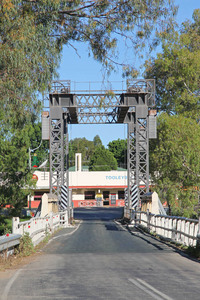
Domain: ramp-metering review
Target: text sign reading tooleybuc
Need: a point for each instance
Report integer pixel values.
(112, 177)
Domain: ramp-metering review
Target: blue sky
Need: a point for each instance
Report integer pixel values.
(81, 68)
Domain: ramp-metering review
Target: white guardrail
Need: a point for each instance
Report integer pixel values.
(37, 228)
(178, 229)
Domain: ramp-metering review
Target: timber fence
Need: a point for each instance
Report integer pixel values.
(177, 229)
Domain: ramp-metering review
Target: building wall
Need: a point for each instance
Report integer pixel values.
(101, 178)
(80, 182)
(78, 179)
(78, 197)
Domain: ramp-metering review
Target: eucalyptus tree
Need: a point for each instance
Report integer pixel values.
(119, 150)
(175, 163)
(175, 154)
(102, 160)
(177, 70)
(83, 146)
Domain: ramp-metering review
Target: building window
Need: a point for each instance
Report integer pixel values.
(106, 195)
(89, 195)
(38, 196)
(120, 194)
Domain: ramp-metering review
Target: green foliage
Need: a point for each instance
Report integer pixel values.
(80, 145)
(29, 55)
(14, 168)
(119, 150)
(97, 141)
(175, 163)
(31, 26)
(42, 153)
(177, 70)
(26, 247)
(102, 160)
(5, 225)
(193, 251)
(174, 160)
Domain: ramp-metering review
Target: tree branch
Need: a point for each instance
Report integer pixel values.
(193, 94)
(189, 169)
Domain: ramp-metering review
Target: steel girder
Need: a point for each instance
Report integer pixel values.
(97, 108)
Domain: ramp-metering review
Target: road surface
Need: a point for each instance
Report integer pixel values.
(100, 259)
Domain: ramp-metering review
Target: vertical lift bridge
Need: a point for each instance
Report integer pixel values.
(134, 106)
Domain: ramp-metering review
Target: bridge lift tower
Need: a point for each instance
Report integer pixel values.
(133, 106)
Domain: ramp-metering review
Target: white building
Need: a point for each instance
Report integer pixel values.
(87, 187)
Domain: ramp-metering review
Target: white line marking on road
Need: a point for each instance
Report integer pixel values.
(149, 289)
(61, 235)
(120, 225)
(153, 289)
(4, 296)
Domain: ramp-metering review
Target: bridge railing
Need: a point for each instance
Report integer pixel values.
(178, 229)
(37, 228)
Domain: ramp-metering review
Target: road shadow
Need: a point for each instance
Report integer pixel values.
(98, 213)
(146, 236)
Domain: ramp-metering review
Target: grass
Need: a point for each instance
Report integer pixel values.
(193, 251)
(6, 224)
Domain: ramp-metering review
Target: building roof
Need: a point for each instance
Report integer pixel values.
(83, 168)
(86, 168)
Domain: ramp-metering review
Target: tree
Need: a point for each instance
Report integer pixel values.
(29, 55)
(102, 160)
(80, 145)
(97, 141)
(119, 150)
(177, 71)
(100, 23)
(174, 155)
(14, 176)
(41, 147)
(175, 163)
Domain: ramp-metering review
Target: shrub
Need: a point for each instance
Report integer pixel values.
(26, 247)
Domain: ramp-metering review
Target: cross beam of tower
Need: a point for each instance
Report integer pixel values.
(132, 107)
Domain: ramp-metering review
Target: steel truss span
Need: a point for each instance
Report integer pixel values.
(132, 106)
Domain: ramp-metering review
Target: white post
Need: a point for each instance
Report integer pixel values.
(198, 234)
(51, 221)
(15, 225)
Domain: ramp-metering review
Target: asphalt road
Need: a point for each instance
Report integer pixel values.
(100, 259)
